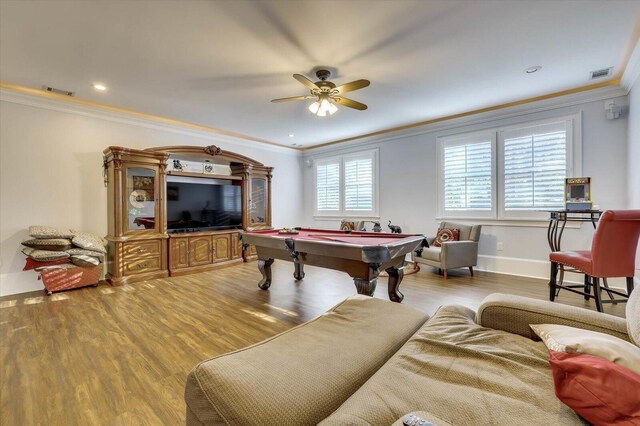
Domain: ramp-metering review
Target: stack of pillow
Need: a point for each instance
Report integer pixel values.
(52, 246)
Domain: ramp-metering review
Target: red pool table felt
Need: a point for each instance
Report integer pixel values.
(358, 238)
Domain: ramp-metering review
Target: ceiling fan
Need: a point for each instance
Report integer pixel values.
(327, 94)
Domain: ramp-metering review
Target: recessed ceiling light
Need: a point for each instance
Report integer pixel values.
(100, 87)
(291, 135)
(531, 70)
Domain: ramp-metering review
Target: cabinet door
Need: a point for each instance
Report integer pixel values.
(236, 246)
(141, 201)
(179, 253)
(200, 251)
(221, 248)
(259, 201)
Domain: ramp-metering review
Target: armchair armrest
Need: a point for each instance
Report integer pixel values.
(458, 254)
(514, 314)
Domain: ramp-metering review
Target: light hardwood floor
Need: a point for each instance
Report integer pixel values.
(120, 356)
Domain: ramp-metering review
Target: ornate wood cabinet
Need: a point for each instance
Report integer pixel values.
(140, 246)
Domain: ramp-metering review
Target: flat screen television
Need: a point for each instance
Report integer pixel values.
(196, 204)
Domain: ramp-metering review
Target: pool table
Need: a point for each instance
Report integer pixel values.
(360, 254)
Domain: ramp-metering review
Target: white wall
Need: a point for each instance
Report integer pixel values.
(408, 192)
(51, 171)
(633, 158)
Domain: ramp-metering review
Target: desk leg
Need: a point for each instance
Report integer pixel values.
(367, 286)
(265, 267)
(395, 278)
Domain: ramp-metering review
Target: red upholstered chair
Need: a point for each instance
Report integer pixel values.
(613, 254)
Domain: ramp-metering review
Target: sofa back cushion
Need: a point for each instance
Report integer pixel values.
(633, 316)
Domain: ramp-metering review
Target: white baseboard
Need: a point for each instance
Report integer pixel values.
(532, 268)
(19, 282)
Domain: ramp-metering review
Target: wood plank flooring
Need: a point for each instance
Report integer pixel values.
(120, 356)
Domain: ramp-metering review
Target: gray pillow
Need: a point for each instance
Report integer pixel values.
(46, 232)
(84, 260)
(44, 255)
(78, 251)
(89, 241)
(53, 244)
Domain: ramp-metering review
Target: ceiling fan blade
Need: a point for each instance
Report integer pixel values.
(295, 98)
(349, 103)
(304, 80)
(354, 85)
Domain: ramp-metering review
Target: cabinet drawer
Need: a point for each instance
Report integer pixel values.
(142, 265)
(141, 248)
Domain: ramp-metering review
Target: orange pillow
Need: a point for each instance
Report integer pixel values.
(602, 392)
(445, 235)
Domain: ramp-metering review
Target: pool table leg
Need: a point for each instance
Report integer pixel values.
(265, 267)
(395, 278)
(367, 286)
(298, 272)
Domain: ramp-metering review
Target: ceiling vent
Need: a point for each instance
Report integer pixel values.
(58, 91)
(605, 72)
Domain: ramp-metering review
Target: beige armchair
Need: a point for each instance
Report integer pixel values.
(452, 254)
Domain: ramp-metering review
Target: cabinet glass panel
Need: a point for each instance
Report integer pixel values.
(141, 198)
(258, 200)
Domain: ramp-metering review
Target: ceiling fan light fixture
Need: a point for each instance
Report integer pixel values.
(332, 108)
(314, 107)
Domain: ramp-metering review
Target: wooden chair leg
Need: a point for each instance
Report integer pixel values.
(596, 293)
(587, 287)
(471, 270)
(552, 281)
(629, 286)
(445, 273)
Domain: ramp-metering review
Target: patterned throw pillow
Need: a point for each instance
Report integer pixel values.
(53, 244)
(47, 232)
(83, 260)
(44, 255)
(89, 241)
(78, 251)
(446, 235)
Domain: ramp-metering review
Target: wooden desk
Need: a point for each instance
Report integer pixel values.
(558, 220)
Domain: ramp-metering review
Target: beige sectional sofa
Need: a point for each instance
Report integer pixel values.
(370, 362)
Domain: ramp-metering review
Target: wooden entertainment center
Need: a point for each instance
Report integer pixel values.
(140, 244)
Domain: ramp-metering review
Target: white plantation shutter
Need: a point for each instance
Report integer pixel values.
(535, 166)
(467, 175)
(328, 186)
(358, 184)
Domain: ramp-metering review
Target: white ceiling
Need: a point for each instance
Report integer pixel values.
(219, 63)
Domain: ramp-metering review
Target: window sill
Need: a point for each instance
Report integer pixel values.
(341, 217)
(529, 223)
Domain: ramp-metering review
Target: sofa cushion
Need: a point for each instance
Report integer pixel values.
(301, 376)
(462, 373)
(633, 316)
(44, 255)
(88, 241)
(432, 253)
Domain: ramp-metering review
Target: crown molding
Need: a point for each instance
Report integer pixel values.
(632, 70)
(475, 118)
(45, 100)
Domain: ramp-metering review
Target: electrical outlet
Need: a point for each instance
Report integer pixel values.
(500, 246)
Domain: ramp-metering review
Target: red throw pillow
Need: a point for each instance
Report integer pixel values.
(446, 234)
(602, 392)
(32, 264)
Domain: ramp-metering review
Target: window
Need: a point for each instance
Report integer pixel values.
(508, 173)
(346, 186)
(467, 175)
